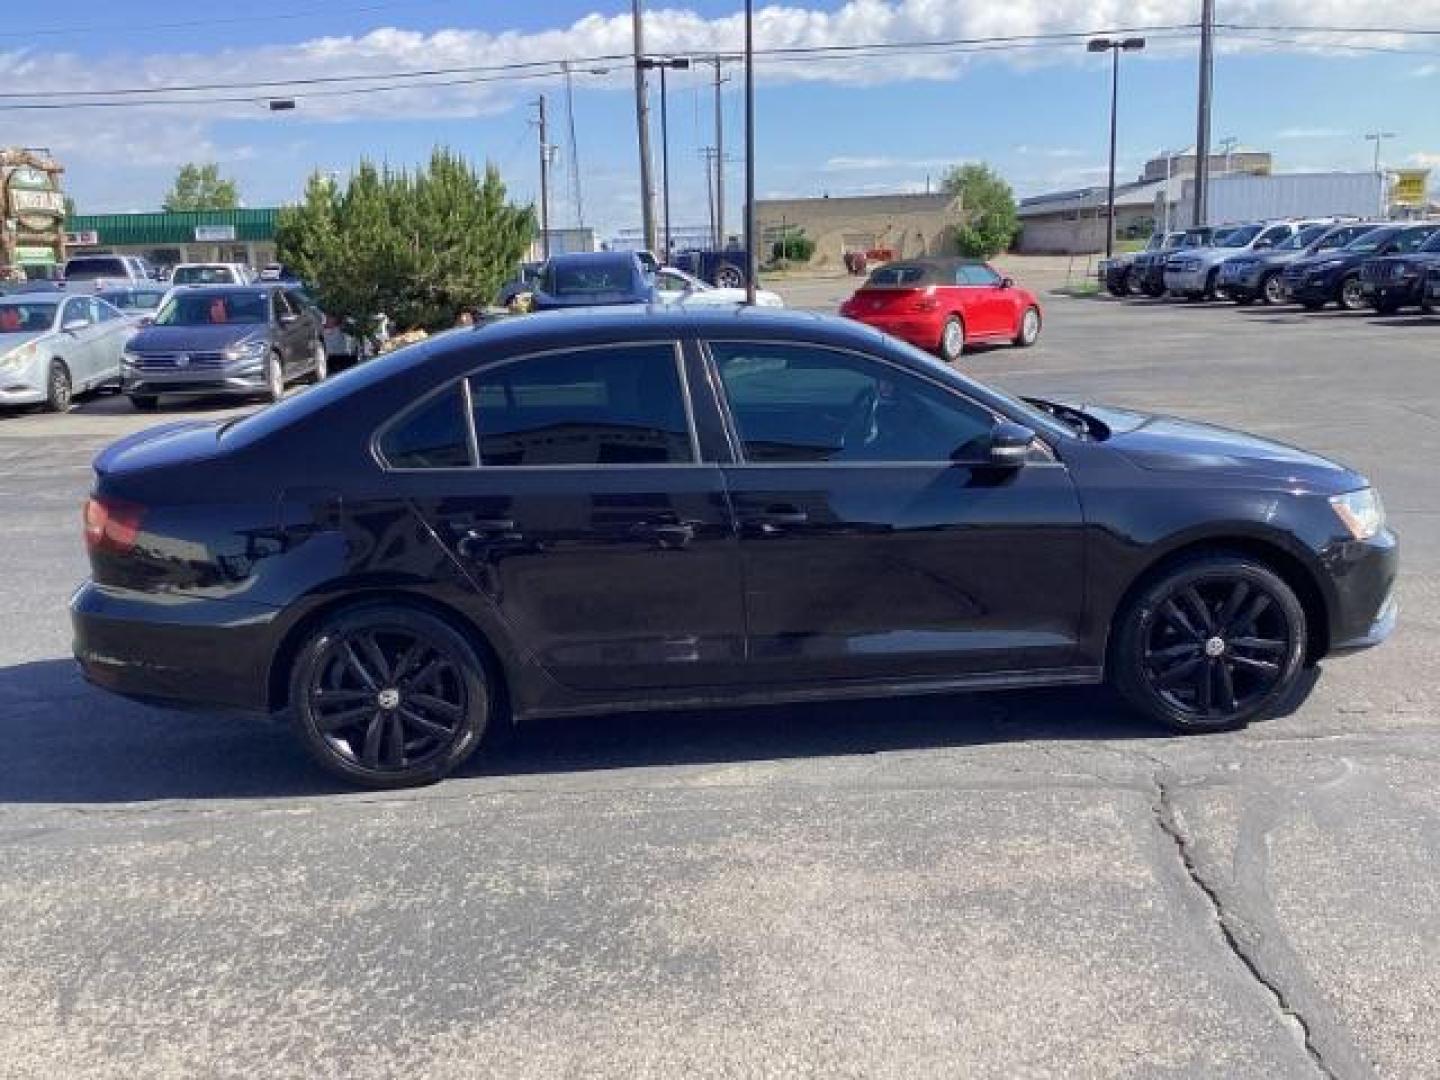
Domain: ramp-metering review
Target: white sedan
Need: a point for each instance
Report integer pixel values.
(54, 345)
(677, 287)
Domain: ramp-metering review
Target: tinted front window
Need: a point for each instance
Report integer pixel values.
(795, 403)
(1371, 241)
(1238, 237)
(432, 436)
(978, 275)
(1412, 239)
(26, 318)
(214, 309)
(620, 405)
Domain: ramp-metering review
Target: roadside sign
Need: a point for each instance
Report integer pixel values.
(1410, 187)
(87, 238)
(214, 234)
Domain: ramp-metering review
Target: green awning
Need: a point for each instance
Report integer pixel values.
(159, 228)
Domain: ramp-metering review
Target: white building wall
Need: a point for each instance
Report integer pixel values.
(1237, 198)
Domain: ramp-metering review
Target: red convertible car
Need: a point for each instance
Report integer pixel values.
(945, 304)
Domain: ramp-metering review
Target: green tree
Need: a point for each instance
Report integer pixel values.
(794, 246)
(419, 247)
(201, 187)
(989, 223)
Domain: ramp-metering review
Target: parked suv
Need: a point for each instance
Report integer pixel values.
(225, 339)
(1196, 274)
(1147, 272)
(1115, 272)
(1260, 275)
(1392, 282)
(1334, 276)
(119, 269)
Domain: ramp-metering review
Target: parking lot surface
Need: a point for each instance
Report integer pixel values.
(1023, 884)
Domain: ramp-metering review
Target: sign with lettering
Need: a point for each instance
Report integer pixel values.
(214, 234)
(1410, 185)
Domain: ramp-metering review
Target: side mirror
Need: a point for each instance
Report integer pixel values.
(1010, 444)
(287, 319)
(1007, 283)
(74, 326)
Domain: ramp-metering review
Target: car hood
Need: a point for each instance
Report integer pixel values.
(1277, 258)
(1169, 444)
(196, 338)
(1311, 261)
(9, 342)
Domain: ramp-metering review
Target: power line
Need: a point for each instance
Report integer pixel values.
(1296, 28)
(191, 24)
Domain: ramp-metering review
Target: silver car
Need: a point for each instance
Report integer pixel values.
(54, 346)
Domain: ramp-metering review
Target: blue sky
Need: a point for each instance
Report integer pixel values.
(871, 125)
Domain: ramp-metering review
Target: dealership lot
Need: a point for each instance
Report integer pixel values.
(1023, 884)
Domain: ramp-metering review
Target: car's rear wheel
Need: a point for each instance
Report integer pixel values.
(59, 391)
(1153, 290)
(144, 402)
(1029, 327)
(1216, 642)
(1272, 289)
(1211, 282)
(1352, 297)
(952, 339)
(729, 277)
(388, 696)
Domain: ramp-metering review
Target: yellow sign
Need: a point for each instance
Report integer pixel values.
(1410, 185)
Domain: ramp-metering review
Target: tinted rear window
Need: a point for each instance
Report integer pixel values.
(433, 436)
(88, 269)
(575, 279)
(900, 274)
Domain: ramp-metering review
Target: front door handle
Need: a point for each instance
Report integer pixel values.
(775, 519)
(670, 535)
(478, 535)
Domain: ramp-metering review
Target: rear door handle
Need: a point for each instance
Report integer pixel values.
(479, 534)
(774, 519)
(671, 535)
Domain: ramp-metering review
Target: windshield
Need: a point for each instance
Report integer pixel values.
(203, 275)
(1238, 237)
(131, 300)
(1174, 240)
(26, 317)
(1199, 238)
(214, 309)
(1413, 239)
(1303, 239)
(590, 277)
(1371, 241)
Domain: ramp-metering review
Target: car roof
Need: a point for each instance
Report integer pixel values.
(30, 295)
(231, 287)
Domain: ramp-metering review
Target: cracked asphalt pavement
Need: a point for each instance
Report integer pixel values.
(1013, 885)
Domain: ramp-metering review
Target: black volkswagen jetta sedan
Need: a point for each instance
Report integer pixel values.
(579, 512)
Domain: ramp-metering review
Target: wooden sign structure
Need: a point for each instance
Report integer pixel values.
(32, 211)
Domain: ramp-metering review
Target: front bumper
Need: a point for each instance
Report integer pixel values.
(1364, 609)
(1186, 281)
(19, 392)
(1312, 288)
(172, 648)
(1401, 294)
(243, 378)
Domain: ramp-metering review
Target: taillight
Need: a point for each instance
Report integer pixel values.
(111, 525)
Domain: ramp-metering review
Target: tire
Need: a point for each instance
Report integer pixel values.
(1272, 289)
(1212, 644)
(1350, 297)
(952, 339)
(59, 390)
(274, 378)
(386, 696)
(321, 361)
(1029, 331)
(728, 276)
(144, 402)
(1155, 292)
(1116, 290)
(1210, 282)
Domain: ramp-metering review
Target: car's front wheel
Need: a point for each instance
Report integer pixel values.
(952, 339)
(59, 391)
(319, 361)
(274, 378)
(729, 277)
(1272, 289)
(1214, 643)
(1029, 330)
(1352, 294)
(388, 696)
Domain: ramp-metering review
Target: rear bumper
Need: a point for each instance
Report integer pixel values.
(164, 647)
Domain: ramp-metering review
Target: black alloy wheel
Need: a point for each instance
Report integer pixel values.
(389, 697)
(729, 277)
(1213, 645)
(59, 391)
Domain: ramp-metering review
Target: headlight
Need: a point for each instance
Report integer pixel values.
(246, 350)
(129, 359)
(17, 358)
(1361, 511)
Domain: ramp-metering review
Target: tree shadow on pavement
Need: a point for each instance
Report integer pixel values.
(66, 742)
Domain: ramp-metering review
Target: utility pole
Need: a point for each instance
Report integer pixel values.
(573, 161)
(1378, 137)
(708, 153)
(1202, 117)
(642, 124)
(750, 238)
(719, 160)
(544, 182)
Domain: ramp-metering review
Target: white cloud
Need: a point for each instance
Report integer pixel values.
(1049, 151)
(1299, 133)
(1424, 71)
(875, 163)
(1424, 160)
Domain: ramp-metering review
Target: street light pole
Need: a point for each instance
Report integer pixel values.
(1202, 114)
(750, 152)
(719, 161)
(679, 63)
(544, 183)
(1377, 137)
(1114, 47)
(642, 124)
